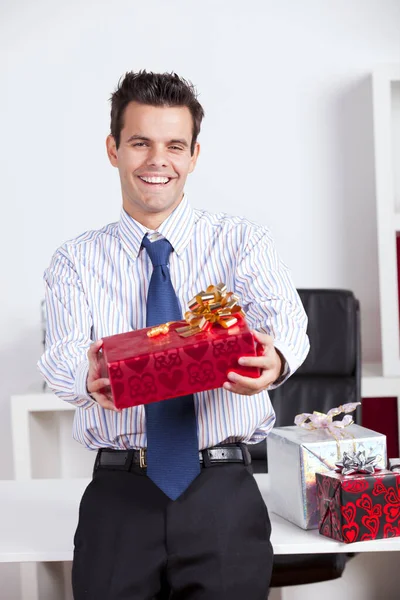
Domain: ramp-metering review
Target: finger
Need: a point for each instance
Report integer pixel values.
(105, 402)
(236, 389)
(256, 383)
(263, 338)
(261, 362)
(94, 349)
(98, 384)
(239, 389)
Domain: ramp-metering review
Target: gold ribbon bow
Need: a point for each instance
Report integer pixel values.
(215, 306)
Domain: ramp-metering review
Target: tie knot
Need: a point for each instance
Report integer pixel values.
(158, 251)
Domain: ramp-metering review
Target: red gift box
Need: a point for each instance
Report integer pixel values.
(145, 369)
(359, 507)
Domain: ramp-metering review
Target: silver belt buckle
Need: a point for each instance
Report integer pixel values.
(142, 458)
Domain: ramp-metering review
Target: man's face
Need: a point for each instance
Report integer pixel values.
(153, 159)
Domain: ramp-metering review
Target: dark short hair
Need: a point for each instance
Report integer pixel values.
(154, 89)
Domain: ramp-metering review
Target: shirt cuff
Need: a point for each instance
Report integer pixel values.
(291, 364)
(84, 399)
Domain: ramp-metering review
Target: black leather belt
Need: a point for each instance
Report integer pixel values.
(124, 460)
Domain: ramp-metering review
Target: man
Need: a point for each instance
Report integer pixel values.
(161, 519)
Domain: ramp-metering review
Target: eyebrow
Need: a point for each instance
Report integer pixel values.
(183, 142)
(146, 139)
(138, 137)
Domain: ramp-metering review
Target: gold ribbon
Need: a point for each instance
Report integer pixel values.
(215, 306)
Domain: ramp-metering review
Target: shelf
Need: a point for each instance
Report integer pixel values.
(42, 439)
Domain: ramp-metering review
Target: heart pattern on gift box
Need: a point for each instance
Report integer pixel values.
(366, 537)
(374, 514)
(116, 371)
(140, 387)
(354, 486)
(349, 512)
(364, 502)
(377, 510)
(391, 496)
(137, 364)
(326, 529)
(350, 532)
(171, 381)
(225, 347)
(167, 359)
(148, 384)
(390, 531)
(135, 386)
(196, 352)
(201, 373)
(379, 488)
(371, 523)
(392, 512)
(325, 489)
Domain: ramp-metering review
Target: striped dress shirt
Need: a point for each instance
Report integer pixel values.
(96, 286)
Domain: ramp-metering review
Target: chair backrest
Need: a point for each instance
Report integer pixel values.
(331, 373)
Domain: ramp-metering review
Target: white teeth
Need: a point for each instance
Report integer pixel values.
(155, 179)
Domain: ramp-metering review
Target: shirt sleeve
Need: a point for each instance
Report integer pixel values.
(271, 302)
(64, 364)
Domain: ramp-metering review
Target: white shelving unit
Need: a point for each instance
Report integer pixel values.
(42, 441)
(44, 448)
(386, 116)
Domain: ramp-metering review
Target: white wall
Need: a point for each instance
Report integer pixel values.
(287, 138)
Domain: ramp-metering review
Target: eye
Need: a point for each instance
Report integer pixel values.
(139, 144)
(176, 148)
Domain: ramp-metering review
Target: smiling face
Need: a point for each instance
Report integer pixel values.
(153, 160)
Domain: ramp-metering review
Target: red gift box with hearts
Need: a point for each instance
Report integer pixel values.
(359, 507)
(145, 369)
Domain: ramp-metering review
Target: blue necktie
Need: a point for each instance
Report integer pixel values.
(172, 444)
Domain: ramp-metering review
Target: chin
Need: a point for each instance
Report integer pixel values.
(160, 204)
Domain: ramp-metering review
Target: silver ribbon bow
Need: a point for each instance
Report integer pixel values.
(357, 462)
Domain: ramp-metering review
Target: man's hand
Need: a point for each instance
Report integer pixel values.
(98, 386)
(270, 362)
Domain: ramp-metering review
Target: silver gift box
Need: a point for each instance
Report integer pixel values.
(296, 454)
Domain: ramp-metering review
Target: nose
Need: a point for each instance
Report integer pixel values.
(157, 156)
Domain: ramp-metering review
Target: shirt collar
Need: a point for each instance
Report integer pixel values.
(177, 229)
(131, 233)
(178, 226)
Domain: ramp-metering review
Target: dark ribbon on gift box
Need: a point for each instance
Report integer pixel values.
(394, 465)
(327, 519)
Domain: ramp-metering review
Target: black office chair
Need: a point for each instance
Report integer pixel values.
(330, 376)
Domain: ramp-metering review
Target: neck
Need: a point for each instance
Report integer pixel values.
(149, 219)
(152, 222)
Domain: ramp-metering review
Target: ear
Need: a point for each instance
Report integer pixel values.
(112, 150)
(194, 157)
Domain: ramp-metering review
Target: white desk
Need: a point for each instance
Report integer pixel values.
(38, 519)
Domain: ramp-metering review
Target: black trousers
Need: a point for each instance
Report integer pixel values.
(134, 543)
